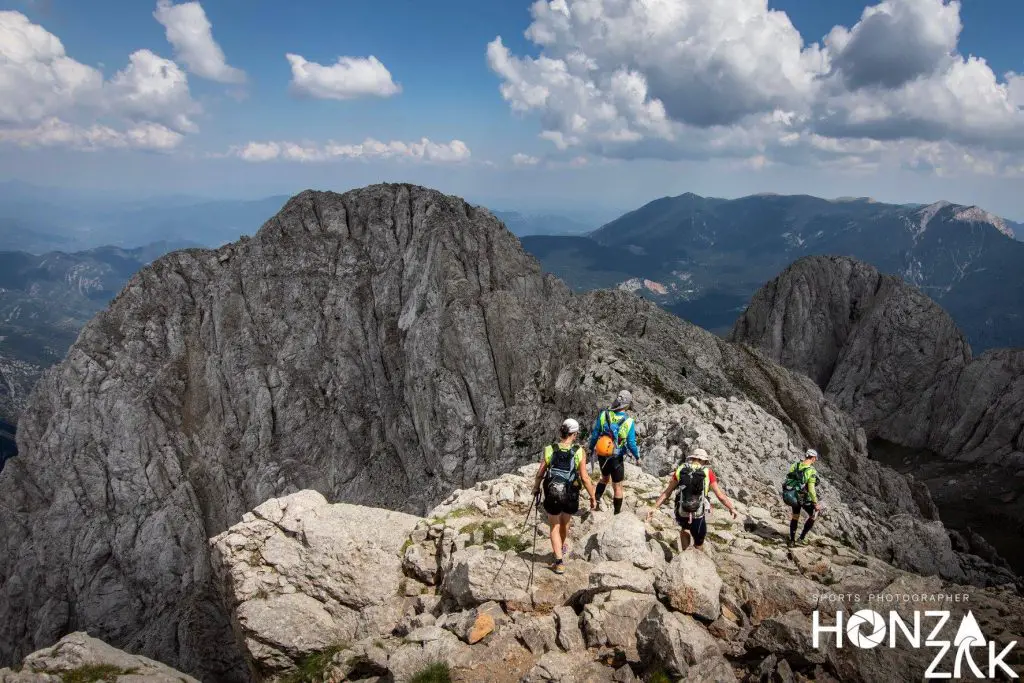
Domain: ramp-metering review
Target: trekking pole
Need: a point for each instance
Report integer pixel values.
(533, 552)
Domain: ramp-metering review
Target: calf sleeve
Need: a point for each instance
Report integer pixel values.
(792, 528)
(807, 527)
(600, 492)
(618, 505)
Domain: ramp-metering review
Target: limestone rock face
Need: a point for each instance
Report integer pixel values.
(383, 347)
(78, 651)
(891, 358)
(301, 575)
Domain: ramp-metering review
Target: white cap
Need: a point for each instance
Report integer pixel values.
(699, 454)
(571, 426)
(811, 453)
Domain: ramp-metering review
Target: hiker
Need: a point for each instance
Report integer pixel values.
(563, 469)
(799, 493)
(694, 478)
(614, 434)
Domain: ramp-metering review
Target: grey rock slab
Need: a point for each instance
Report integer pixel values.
(674, 641)
(78, 650)
(691, 585)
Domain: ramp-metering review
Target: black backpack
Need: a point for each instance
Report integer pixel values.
(560, 483)
(691, 490)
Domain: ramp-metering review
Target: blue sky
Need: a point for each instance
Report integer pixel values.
(634, 99)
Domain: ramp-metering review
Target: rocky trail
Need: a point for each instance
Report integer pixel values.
(337, 592)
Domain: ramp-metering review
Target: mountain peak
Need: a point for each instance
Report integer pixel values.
(963, 214)
(975, 214)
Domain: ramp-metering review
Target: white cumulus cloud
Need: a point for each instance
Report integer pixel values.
(424, 151)
(677, 79)
(349, 78)
(521, 159)
(54, 132)
(191, 34)
(47, 98)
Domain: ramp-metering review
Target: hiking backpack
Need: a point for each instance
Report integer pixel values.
(560, 483)
(793, 487)
(615, 431)
(692, 489)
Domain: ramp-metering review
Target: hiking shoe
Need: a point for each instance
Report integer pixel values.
(558, 567)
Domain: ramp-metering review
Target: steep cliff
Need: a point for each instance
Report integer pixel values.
(892, 358)
(384, 347)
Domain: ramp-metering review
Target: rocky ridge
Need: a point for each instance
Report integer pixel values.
(381, 347)
(469, 586)
(891, 358)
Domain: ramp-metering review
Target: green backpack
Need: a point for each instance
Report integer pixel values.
(793, 487)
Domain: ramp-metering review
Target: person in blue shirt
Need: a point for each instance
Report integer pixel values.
(616, 423)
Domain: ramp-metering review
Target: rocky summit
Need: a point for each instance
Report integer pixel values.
(341, 592)
(380, 348)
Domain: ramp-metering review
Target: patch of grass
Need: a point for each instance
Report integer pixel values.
(438, 672)
(658, 677)
(313, 667)
(488, 530)
(400, 591)
(717, 539)
(461, 512)
(829, 580)
(511, 542)
(405, 546)
(94, 672)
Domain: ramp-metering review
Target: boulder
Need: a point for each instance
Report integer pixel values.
(691, 585)
(421, 563)
(609, 576)
(478, 576)
(673, 641)
(565, 667)
(301, 575)
(611, 619)
(622, 538)
(788, 636)
(412, 658)
(538, 633)
(76, 652)
(570, 637)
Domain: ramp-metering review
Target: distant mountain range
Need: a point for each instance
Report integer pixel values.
(44, 302)
(703, 258)
(38, 220)
(524, 224)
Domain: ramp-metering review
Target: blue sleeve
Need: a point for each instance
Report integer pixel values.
(631, 441)
(594, 433)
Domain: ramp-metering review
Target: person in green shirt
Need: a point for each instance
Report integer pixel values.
(563, 469)
(804, 473)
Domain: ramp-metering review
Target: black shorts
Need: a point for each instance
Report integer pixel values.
(806, 507)
(698, 527)
(613, 466)
(570, 507)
